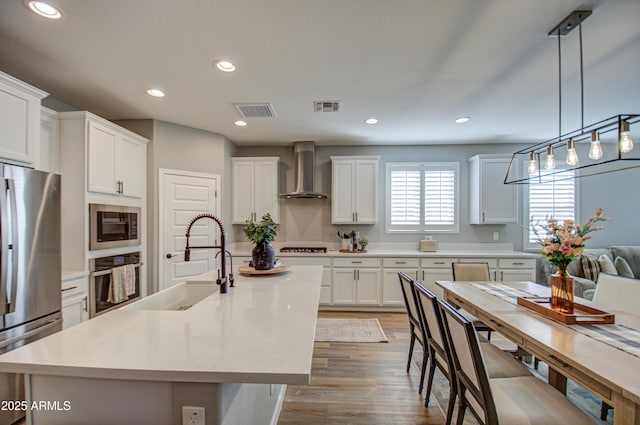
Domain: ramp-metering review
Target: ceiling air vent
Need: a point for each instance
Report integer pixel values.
(326, 105)
(255, 110)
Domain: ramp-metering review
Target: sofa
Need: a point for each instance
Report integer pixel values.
(622, 260)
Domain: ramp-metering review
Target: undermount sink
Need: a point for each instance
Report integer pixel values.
(177, 298)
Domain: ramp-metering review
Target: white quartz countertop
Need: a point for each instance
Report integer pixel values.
(404, 253)
(261, 331)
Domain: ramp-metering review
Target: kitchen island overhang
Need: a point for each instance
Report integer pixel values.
(259, 333)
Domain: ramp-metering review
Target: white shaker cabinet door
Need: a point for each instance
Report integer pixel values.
(19, 120)
(366, 191)
(102, 147)
(131, 155)
(343, 192)
(344, 286)
(266, 189)
(368, 286)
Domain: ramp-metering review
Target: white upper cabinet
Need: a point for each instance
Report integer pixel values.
(115, 160)
(354, 189)
(255, 189)
(491, 201)
(19, 120)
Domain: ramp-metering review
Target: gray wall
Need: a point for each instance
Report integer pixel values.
(177, 147)
(309, 220)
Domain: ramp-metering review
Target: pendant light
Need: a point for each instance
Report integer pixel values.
(550, 163)
(524, 169)
(595, 150)
(626, 144)
(572, 155)
(533, 164)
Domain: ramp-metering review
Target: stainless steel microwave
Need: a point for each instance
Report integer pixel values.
(113, 226)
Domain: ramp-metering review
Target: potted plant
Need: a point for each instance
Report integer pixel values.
(262, 233)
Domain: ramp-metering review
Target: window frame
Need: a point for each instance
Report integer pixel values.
(422, 228)
(533, 246)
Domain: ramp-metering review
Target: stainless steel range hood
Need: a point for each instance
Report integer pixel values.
(305, 167)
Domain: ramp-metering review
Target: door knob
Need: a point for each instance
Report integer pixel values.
(169, 255)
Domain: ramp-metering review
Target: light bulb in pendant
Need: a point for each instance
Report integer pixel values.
(550, 163)
(595, 151)
(626, 144)
(572, 155)
(533, 164)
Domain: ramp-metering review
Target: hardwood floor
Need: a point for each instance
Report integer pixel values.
(362, 383)
(366, 383)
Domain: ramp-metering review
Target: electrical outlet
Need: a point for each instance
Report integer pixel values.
(193, 415)
(496, 236)
(428, 238)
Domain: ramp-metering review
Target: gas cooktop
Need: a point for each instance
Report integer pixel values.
(308, 249)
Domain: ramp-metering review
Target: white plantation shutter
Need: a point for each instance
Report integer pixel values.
(405, 197)
(439, 197)
(422, 197)
(554, 196)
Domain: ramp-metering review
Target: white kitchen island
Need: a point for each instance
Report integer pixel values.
(232, 354)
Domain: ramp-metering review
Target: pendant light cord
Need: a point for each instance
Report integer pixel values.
(581, 79)
(559, 88)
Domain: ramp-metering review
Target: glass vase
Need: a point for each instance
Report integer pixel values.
(562, 291)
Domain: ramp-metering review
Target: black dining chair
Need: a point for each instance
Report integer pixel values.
(500, 401)
(499, 363)
(415, 331)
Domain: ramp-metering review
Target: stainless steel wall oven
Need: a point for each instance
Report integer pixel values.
(113, 226)
(114, 282)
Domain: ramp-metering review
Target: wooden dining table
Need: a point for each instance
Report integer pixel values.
(611, 373)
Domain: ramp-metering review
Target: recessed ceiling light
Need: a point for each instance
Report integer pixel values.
(225, 66)
(371, 121)
(44, 9)
(241, 123)
(462, 120)
(155, 92)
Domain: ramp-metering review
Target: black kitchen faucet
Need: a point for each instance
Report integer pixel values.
(222, 277)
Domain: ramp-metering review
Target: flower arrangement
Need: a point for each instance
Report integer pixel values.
(561, 243)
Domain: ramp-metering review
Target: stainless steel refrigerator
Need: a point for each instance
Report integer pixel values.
(30, 297)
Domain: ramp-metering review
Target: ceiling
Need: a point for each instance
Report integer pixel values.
(415, 65)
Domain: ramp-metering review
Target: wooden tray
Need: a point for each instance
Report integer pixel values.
(253, 272)
(349, 251)
(582, 314)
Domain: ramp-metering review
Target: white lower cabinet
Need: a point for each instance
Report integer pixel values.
(325, 262)
(75, 300)
(436, 269)
(356, 281)
(391, 290)
(517, 270)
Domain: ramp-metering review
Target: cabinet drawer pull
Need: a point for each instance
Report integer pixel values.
(70, 288)
(518, 263)
(356, 262)
(438, 262)
(401, 262)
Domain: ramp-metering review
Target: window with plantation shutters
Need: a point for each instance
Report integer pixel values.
(422, 197)
(554, 196)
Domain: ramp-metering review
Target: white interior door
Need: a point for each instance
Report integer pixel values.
(183, 195)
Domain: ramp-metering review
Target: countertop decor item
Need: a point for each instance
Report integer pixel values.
(247, 270)
(581, 314)
(561, 243)
(262, 234)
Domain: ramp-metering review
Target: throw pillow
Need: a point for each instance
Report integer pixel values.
(623, 267)
(606, 265)
(589, 267)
